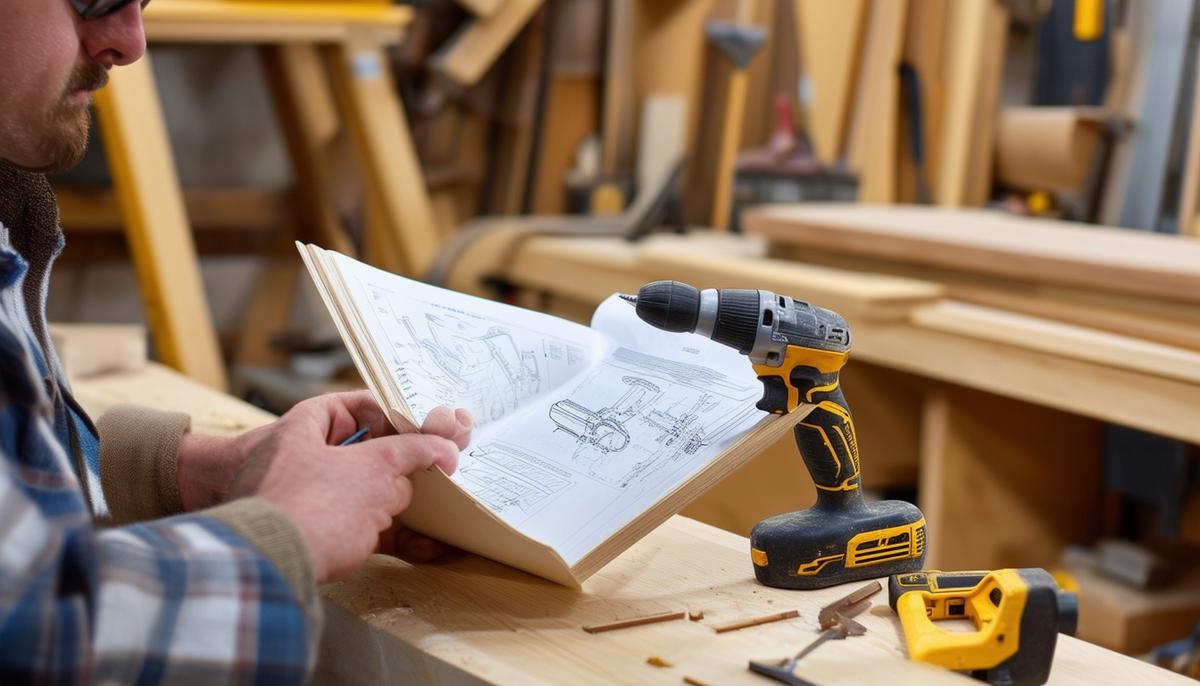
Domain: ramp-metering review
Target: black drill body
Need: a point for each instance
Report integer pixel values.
(797, 351)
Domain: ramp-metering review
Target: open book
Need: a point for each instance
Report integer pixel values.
(586, 439)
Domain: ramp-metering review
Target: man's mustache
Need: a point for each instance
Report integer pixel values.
(87, 77)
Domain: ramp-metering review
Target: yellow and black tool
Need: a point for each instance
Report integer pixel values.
(798, 350)
(1018, 614)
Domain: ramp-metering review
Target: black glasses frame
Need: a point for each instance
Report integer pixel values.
(95, 9)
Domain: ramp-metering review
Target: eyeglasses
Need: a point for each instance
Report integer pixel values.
(95, 9)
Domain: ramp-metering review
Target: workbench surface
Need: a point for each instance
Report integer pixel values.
(476, 620)
(471, 620)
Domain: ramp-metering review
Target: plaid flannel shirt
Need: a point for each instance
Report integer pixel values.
(180, 600)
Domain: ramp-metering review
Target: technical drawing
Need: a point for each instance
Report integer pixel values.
(605, 429)
(486, 372)
(509, 479)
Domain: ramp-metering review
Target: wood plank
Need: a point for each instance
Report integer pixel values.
(371, 107)
(829, 36)
(873, 141)
(620, 105)
(1171, 323)
(1103, 348)
(965, 56)
(265, 21)
(996, 469)
(97, 210)
(1190, 192)
(1133, 621)
(472, 53)
(475, 621)
(987, 105)
(570, 118)
(213, 413)
(314, 133)
(87, 350)
(1042, 251)
(924, 43)
(144, 176)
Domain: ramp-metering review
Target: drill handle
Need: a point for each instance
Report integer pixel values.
(826, 437)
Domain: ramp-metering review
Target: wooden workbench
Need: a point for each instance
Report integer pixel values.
(474, 621)
(993, 425)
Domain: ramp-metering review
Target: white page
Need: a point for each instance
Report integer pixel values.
(575, 467)
(447, 348)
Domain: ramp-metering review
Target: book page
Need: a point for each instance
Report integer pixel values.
(576, 466)
(441, 347)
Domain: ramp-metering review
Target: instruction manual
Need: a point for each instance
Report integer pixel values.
(585, 439)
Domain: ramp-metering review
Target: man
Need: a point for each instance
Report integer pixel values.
(224, 590)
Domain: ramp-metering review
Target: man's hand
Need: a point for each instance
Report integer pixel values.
(340, 498)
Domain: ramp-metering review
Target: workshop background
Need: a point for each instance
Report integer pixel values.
(1036, 380)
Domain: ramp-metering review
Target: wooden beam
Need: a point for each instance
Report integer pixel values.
(873, 140)
(829, 35)
(370, 105)
(147, 185)
(472, 52)
(964, 65)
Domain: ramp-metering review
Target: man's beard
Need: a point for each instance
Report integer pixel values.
(62, 134)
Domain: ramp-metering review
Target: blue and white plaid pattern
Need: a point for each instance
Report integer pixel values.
(180, 600)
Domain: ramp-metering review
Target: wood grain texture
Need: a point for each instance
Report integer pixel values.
(472, 52)
(829, 35)
(213, 413)
(164, 253)
(993, 472)
(586, 271)
(991, 243)
(964, 60)
(475, 621)
(873, 143)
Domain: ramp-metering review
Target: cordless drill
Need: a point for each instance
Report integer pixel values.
(797, 351)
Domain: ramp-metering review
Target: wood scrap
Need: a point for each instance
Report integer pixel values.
(755, 621)
(846, 605)
(634, 621)
(964, 63)
(87, 350)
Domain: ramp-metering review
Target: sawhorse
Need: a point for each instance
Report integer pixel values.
(327, 65)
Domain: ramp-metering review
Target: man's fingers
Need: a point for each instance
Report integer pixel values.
(409, 453)
(454, 425)
(353, 409)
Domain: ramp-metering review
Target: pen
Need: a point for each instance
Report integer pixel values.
(355, 437)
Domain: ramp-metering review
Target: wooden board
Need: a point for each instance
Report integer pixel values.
(873, 139)
(924, 43)
(1108, 349)
(371, 108)
(267, 21)
(87, 350)
(1133, 621)
(472, 52)
(828, 35)
(991, 79)
(213, 413)
(1046, 148)
(148, 189)
(472, 621)
(619, 102)
(965, 57)
(1036, 250)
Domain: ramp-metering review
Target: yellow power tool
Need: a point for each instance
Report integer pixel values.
(1017, 613)
(797, 351)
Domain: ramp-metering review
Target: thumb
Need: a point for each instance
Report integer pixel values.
(405, 454)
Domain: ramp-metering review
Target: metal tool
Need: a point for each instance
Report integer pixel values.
(797, 351)
(785, 670)
(1017, 613)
